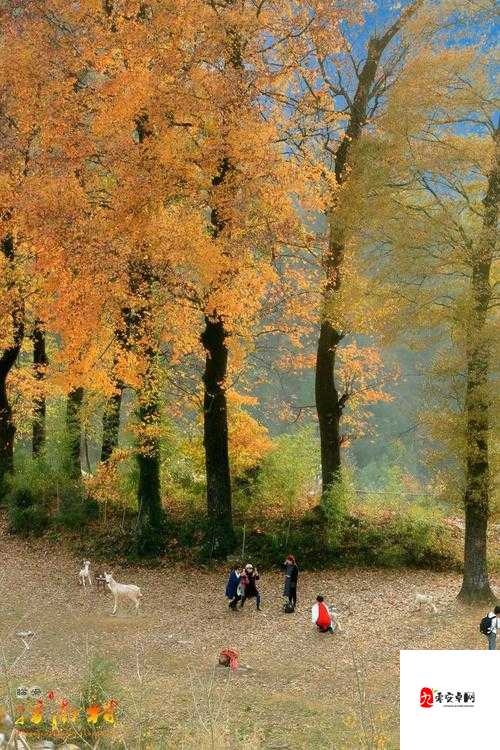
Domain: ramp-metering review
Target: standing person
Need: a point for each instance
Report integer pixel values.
(232, 587)
(321, 617)
(251, 590)
(291, 576)
(490, 626)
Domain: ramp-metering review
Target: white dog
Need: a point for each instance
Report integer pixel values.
(123, 591)
(84, 574)
(425, 599)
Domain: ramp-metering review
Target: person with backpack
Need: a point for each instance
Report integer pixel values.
(290, 588)
(250, 578)
(489, 626)
(232, 587)
(321, 617)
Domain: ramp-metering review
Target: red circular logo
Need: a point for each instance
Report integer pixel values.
(426, 698)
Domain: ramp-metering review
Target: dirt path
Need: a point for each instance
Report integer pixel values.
(301, 690)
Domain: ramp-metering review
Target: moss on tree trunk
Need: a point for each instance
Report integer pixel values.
(475, 585)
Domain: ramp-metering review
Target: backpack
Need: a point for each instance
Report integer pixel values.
(485, 625)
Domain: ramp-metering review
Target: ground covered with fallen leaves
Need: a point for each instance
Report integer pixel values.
(297, 689)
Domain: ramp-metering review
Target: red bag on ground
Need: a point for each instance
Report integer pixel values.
(226, 656)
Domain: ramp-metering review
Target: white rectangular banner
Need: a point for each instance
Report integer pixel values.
(449, 699)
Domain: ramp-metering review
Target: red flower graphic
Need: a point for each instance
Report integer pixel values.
(93, 713)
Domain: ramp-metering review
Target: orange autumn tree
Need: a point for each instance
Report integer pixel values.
(56, 192)
(209, 223)
(244, 198)
(253, 184)
(135, 156)
(170, 202)
(142, 161)
(35, 171)
(160, 222)
(249, 205)
(362, 382)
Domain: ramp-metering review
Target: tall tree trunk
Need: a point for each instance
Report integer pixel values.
(40, 361)
(151, 516)
(123, 335)
(215, 427)
(328, 406)
(215, 437)
(139, 332)
(7, 361)
(74, 432)
(111, 423)
(7, 426)
(213, 339)
(475, 585)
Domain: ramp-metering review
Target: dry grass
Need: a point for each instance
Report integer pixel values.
(303, 689)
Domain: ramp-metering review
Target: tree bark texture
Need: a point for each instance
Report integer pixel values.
(7, 360)
(40, 362)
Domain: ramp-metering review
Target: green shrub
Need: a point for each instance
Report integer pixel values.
(27, 498)
(409, 536)
(149, 539)
(337, 535)
(280, 483)
(302, 536)
(41, 493)
(97, 682)
(74, 510)
(27, 512)
(335, 504)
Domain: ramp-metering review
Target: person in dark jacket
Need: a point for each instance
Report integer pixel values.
(291, 576)
(232, 587)
(251, 590)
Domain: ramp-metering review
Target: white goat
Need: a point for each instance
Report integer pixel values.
(425, 599)
(84, 574)
(123, 591)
